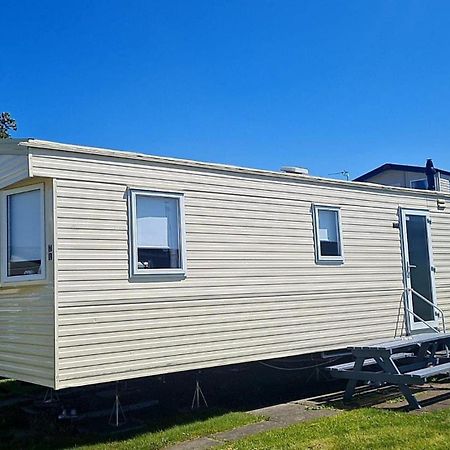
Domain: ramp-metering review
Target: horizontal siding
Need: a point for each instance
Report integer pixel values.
(441, 254)
(13, 168)
(253, 290)
(27, 322)
(444, 184)
(27, 334)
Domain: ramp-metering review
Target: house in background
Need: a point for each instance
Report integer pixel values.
(415, 177)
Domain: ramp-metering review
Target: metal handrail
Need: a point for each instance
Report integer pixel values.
(436, 330)
(442, 315)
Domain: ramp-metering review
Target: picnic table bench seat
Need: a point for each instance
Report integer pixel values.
(431, 371)
(402, 362)
(368, 362)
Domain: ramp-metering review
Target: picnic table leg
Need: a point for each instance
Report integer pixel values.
(351, 384)
(422, 353)
(390, 367)
(412, 401)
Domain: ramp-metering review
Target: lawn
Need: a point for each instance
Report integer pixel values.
(358, 429)
(366, 428)
(154, 436)
(157, 429)
(155, 440)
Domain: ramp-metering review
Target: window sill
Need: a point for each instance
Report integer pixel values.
(20, 283)
(155, 276)
(330, 262)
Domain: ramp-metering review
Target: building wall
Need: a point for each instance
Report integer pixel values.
(253, 290)
(13, 168)
(27, 319)
(403, 179)
(396, 178)
(444, 181)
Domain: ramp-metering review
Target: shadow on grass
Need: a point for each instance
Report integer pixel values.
(229, 391)
(387, 397)
(152, 432)
(10, 388)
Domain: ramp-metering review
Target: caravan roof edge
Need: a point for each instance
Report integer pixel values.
(111, 153)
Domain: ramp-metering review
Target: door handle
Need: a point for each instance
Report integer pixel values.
(412, 266)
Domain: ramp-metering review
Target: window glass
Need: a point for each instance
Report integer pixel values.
(24, 233)
(329, 233)
(419, 184)
(157, 232)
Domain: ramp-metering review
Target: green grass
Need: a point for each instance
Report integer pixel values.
(178, 433)
(359, 429)
(18, 432)
(367, 428)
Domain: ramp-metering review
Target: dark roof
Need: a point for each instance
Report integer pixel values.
(400, 167)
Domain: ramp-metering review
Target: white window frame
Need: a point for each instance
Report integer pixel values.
(4, 236)
(135, 272)
(319, 257)
(419, 179)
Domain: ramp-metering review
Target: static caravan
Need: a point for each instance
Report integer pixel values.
(119, 265)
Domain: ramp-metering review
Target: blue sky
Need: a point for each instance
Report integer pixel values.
(329, 85)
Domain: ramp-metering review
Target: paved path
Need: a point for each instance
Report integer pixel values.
(278, 416)
(433, 396)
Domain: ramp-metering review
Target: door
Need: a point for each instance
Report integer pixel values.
(418, 270)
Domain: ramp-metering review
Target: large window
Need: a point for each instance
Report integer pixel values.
(419, 184)
(328, 234)
(157, 234)
(23, 234)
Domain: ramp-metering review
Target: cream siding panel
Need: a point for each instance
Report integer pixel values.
(13, 168)
(440, 227)
(26, 334)
(444, 184)
(27, 321)
(253, 290)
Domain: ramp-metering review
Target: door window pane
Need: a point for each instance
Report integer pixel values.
(24, 233)
(419, 265)
(158, 232)
(329, 235)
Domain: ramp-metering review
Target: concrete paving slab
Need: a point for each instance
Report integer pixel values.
(432, 396)
(247, 430)
(278, 416)
(196, 444)
(289, 413)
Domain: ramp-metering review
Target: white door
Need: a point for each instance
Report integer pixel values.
(418, 270)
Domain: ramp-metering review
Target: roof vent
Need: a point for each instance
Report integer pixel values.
(297, 170)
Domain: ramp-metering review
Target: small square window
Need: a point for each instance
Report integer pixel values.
(157, 235)
(327, 233)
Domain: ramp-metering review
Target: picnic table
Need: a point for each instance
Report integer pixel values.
(403, 362)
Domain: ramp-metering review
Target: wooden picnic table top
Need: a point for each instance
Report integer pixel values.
(402, 343)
